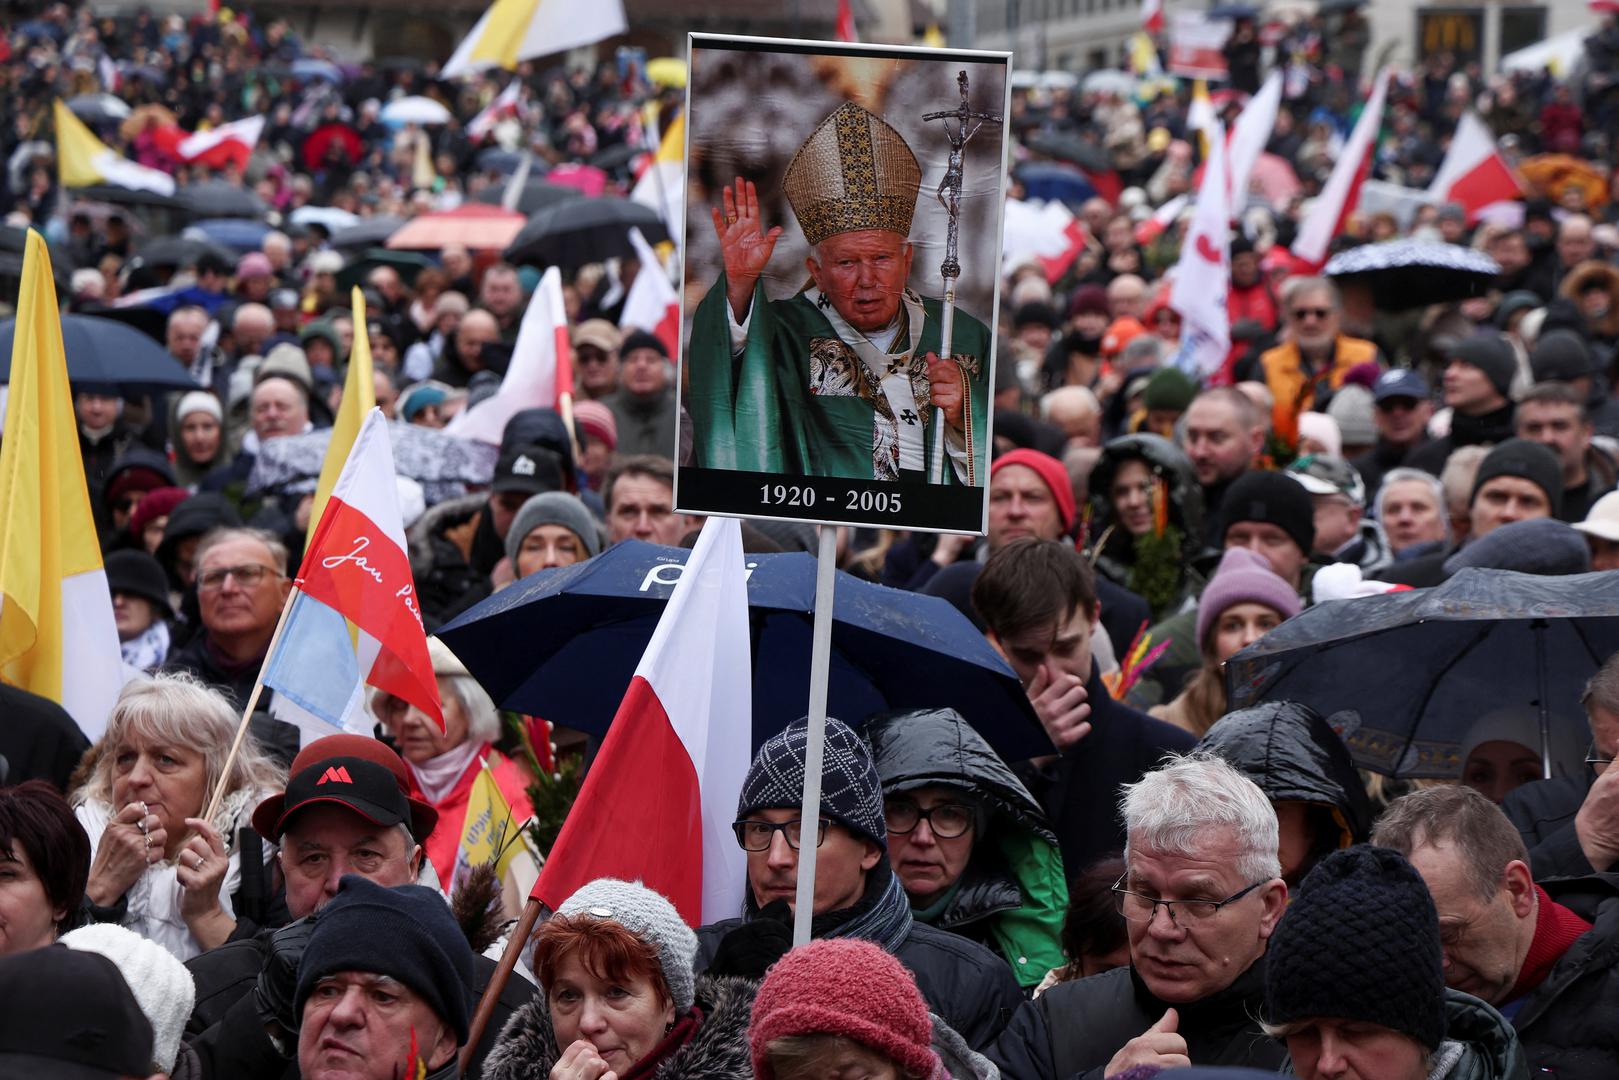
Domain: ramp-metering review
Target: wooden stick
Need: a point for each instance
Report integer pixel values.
(565, 409)
(222, 787)
(497, 981)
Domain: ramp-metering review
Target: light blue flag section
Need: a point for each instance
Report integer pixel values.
(314, 663)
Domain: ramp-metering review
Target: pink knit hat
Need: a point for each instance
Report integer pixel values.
(1243, 577)
(842, 986)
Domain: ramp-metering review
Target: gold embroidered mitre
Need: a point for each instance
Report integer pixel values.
(854, 172)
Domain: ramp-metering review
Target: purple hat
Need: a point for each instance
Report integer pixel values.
(1243, 577)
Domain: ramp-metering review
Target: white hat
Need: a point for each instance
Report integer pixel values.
(1602, 520)
(161, 984)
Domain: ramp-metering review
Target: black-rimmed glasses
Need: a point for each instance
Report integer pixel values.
(757, 835)
(1139, 908)
(947, 820)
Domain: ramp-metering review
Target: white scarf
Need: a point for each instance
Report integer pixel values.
(891, 370)
(438, 776)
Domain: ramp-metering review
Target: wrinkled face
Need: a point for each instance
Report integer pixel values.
(643, 509)
(184, 337)
(1468, 390)
(232, 606)
(132, 614)
(1020, 504)
(324, 841)
(1271, 541)
(168, 779)
(841, 865)
(1240, 625)
(1313, 319)
(548, 546)
(1220, 447)
(278, 408)
(645, 371)
(417, 734)
(1131, 495)
(1184, 959)
(199, 434)
(358, 1026)
(27, 920)
(1481, 938)
(1411, 514)
(1336, 520)
(1402, 420)
(1127, 301)
(1505, 499)
(96, 411)
(863, 274)
(927, 863)
(1494, 768)
(1066, 648)
(622, 1020)
(1328, 1048)
(1557, 426)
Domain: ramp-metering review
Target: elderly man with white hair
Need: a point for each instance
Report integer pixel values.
(1075, 410)
(1201, 895)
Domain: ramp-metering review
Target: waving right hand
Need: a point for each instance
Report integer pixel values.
(745, 245)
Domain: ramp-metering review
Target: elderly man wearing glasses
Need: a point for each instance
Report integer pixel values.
(1201, 893)
(1314, 356)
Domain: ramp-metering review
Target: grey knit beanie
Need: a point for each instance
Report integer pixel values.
(650, 917)
(851, 793)
(554, 508)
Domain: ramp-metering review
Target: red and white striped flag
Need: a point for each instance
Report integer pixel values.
(1203, 275)
(1342, 191)
(652, 303)
(1161, 219)
(231, 143)
(844, 29)
(659, 800)
(541, 370)
(1474, 173)
(504, 105)
(1152, 16)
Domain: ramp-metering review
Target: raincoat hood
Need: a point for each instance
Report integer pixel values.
(1167, 462)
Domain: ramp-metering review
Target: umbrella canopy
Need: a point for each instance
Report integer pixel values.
(318, 144)
(667, 71)
(104, 351)
(98, 108)
(330, 218)
(1072, 149)
(536, 195)
(472, 225)
(367, 232)
(1109, 81)
(563, 644)
(494, 159)
(1043, 180)
(13, 248)
(415, 110)
(220, 199)
(1446, 661)
(311, 69)
(122, 196)
(407, 263)
(1233, 11)
(1275, 179)
(180, 251)
(1329, 6)
(238, 234)
(1406, 274)
(443, 464)
(585, 231)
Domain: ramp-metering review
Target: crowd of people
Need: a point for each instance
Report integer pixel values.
(1175, 883)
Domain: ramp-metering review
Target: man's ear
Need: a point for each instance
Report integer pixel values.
(995, 643)
(873, 855)
(1519, 883)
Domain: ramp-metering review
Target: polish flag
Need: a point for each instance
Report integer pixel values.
(354, 620)
(1203, 275)
(1342, 191)
(504, 105)
(231, 143)
(541, 370)
(844, 29)
(1162, 218)
(1249, 135)
(652, 303)
(1152, 16)
(1046, 234)
(1473, 173)
(658, 802)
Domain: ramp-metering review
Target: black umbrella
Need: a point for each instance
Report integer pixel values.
(103, 351)
(1071, 148)
(1409, 678)
(13, 246)
(583, 232)
(370, 232)
(1329, 6)
(98, 108)
(616, 157)
(220, 199)
(111, 193)
(1406, 274)
(537, 195)
(407, 263)
(180, 251)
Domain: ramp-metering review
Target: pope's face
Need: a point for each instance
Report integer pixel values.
(863, 274)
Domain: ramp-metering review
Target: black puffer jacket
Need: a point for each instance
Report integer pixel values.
(1293, 755)
(1543, 813)
(1112, 546)
(1567, 1024)
(1013, 895)
(527, 1045)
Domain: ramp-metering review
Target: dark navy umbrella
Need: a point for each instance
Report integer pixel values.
(238, 234)
(563, 644)
(1048, 180)
(1410, 678)
(104, 351)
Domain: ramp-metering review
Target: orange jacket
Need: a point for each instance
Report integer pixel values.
(1294, 394)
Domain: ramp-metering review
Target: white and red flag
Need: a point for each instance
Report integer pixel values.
(1203, 275)
(541, 370)
(227, 144)
(652, 303)
(659, 800)
(1342, 191)
(505, 105)
(354, 620)
(1160, 221)
(1152, 16)
(1474, 173)
(1045, 233)
(844, 28)
(1249, 134)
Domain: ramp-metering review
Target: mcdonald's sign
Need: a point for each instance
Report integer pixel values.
(1458, 31)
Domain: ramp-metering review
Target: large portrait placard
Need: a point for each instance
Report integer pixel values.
(842, 248)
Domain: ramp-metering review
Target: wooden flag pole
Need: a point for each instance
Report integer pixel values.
(809, 815)
(223, 785)
(497, 981)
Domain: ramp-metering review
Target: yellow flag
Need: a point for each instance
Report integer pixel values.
(1200, 116)
(76, 149)
(503, 35)
(359, 397)
(57, 635)
(672, 148)
(490, 832)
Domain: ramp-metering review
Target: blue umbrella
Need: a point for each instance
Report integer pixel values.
(563, 644)
(311, 69)
(239, 234)
(1409, 677)
(1043, 180)
(104, 351)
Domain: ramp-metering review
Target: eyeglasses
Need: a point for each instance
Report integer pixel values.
(1138, 908)
(947, 820)
(1311, 312)
(248, 576)
(758, 835)
(1598, 763)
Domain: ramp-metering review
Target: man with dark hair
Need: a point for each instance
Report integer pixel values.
(1478, 377)
(1401, 410)
(1543, 954)
(1554, 415)
(1037, 599)
(639, 493)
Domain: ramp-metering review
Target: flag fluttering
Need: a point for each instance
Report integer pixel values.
(652, 303)
(82, 160)
(541, 369)
(1474, 173)
(359, 398)
(1342, 191)
(513, 30)
(227, 144)
(662, 184)
(1203, 275)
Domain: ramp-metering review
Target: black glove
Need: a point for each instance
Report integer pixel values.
(278, 981)
(748, 951)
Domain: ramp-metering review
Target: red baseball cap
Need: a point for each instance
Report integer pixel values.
(354, 771)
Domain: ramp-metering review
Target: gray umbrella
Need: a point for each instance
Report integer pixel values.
(1404, 274)
(443, 464)
(221, 199)
(368, 233)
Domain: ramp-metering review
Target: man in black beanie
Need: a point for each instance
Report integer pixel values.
(1478, 377)
(1354, 981)
(644, 404)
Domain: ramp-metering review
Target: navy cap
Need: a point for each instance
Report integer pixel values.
(1400, 382)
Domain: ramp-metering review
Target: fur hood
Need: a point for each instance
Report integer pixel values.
(719, 1051)
(419, 537)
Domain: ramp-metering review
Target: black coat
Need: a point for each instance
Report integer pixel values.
(1491, 428)
(1075, 1028)
(1543, 812)
(1567, 1025)
(38, 739)
(279, 739)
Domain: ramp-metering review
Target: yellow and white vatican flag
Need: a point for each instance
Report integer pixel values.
(57, 635)
(513, 30)
(661, 187)
(82, 160)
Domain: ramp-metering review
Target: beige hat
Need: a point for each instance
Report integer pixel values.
(289, 362)
(445, 662)
(1602, 520)
(598, 332)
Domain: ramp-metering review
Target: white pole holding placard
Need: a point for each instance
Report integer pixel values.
(826, 575)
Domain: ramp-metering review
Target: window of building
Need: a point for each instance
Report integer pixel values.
(1522, 27)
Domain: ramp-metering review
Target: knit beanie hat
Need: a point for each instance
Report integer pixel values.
(159, 502)
(198, 401)
(1490, 353)
(1051, 471)
(162, 985)
(1271, 497)
(847, 987)
(1360, 941)
(1561, 356)
(1528, 461)
(406, 933)
(553, 508)
(652, 918)
(851, 794)
(1352, 407)
(640, 339)
(1243, 577)
(1169, 388)
(597, 422)
(1088, 300)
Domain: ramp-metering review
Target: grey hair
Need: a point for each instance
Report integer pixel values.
(483, 719)
(1404, 473)
(176, 709)
(1170, 808)
(1080, 397)
(1297, 287)
(214, 537)
(1142, 346)
(1461, 468)
(1603, 688)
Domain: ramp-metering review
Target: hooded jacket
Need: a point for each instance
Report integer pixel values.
(1479, 1043)
(1012, 896)
(1566, 1023)
(1115, 550)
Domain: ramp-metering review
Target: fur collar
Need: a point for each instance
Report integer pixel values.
(719, 1051)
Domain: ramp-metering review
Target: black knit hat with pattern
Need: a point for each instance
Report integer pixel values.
(850, 791)
(1360, 941)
